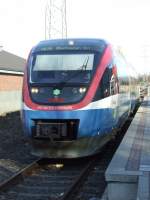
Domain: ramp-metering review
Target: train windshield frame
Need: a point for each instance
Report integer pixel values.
(60, 67)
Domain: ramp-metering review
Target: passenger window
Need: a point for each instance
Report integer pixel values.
(123, 74)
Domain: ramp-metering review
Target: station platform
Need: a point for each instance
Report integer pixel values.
(128, 174)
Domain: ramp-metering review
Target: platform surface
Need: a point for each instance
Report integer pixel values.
(132, 158)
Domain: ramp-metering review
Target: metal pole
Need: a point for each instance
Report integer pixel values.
(55, 19)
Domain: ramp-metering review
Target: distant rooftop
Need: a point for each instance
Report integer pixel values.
(11, 62)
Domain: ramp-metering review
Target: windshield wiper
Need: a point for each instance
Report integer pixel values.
(81, 68)
(85, 63)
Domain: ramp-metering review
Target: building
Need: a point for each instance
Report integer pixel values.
(11, 77)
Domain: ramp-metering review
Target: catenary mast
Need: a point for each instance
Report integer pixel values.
(55, 19)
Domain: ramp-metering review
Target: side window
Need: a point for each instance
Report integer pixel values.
(105, 82)
(114, 82)
(103, 90)
(123, 74)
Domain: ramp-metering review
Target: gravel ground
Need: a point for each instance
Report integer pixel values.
(14, 146)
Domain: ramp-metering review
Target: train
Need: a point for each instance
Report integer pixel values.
(76, 94)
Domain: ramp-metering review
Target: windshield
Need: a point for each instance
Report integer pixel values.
(56, 68)
(62, 62)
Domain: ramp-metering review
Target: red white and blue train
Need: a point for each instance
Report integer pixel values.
(76, 94)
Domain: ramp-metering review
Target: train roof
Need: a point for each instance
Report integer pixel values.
(71, 44)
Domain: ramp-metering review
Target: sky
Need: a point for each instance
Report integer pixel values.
(124, 23)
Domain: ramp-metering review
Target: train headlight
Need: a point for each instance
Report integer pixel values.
(34, 90)
(82, 90)
(71, 42)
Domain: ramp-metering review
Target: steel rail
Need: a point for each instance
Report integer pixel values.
(28, 170)
(79, 180)
(19, 176)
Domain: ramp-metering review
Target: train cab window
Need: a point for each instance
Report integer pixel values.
(103, 90)
(106, 82)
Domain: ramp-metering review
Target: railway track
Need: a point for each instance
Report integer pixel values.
(46, 179)
(59, 179)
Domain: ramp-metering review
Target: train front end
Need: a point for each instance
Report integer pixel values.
(63, 111)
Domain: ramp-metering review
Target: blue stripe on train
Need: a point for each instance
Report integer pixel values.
(92, 122)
